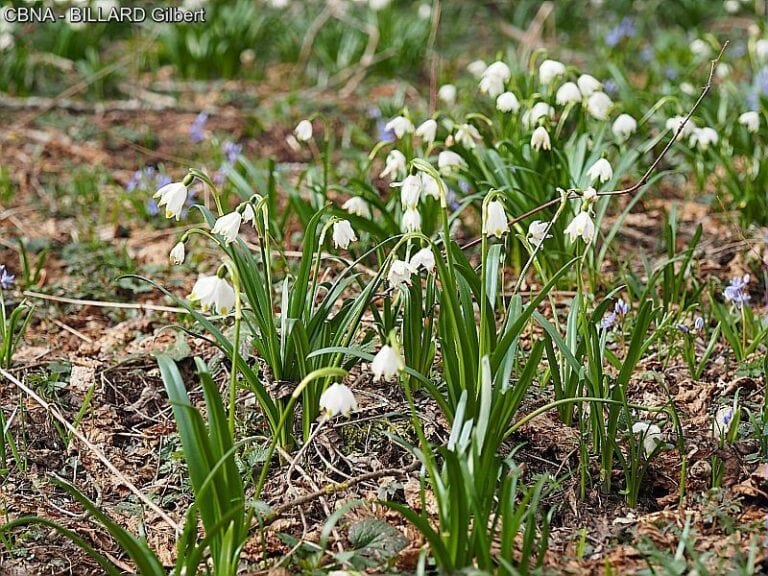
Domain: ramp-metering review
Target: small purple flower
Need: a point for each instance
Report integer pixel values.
(670, 73)
(161, 180)
(610, 87)
(219, 177)
(683, 328)
(6, 279)
(231, 151)
(152, 208)
(624, 29)
(736, 292)
(608, 321)
(646, 54)
(197, 130)
(621, 308)
(383, 134)
(698, 324)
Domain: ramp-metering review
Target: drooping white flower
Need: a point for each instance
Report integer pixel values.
(228, 226)
(410, 191)
(303, 131)
(650, 434)
(400, 125)
(400, 273)
(343, 234)
(427, 131)
(582, 226)
(721, 425)
(178, 253)
(676, 122)
(493, 79)
(466, 134)
(600, 170)
(477, 68)
(447, 94)
(449, 162)
(387, 364)
(357, 206)
(539, 110)
(702, 138)
(700, 48)
(411, 221)
(624, 126)
(751, 120)
(337, 399)
(429, 186)
(507, 102)
(377, 5)
(495, 223)
(249, 215)
(732, 6)
(568, 93)
(723, 70)
(424, 258)
(215, 292)
(588, 85)
(425, 11)
(172, 196)
(599, 105)
(589, 196)
(549, 70)
(761, 50)
(537, 232)
(395, 165)
(540, 139)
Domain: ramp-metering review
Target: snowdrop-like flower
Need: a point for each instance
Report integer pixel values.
(427, 131)
(377, 5)
(589, 196)
(386, 364)
(568, 93)
(651, 435)
(751, 120)
(676, 122)
(178, 253)
(599, 105)
(493, 79)
(495, 223)
(429, 186)
(343, 234)
(588, 85)
(761, 50)
(303, 131)
(507, 102)
(394, 165)
(228, 226)
(357, 206)
(477, 68)
(448, 162)
(172, 196)
(447, 94)
(549, 70)
(337, 399)
(249, 215)
(539, 110)
(400, 273)
(736, 292)
(624, 126)
(582, 226)
(537, 232)
(213, 292)
(700, 48)
(600, 170)
(411, 221)
(410, 191)
(702, 138)
(540, 139)
(722, 422)
(6, 278)
(424, 258)
(466, 134)
(400, 125)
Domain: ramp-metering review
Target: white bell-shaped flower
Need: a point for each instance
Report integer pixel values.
(228, 226)
(495, 223)
(600, 170)
(424, 258)
(411, 221)
(568, 93)
(540, 139)
(427, 131)
(624, 126)
(357, 206)
(343, 234)
(213, 292)
(395, 166)
(549, 70)
(751, 120)
(303, 131)
(387, 364)
(599, 105)
(178, 253)
(537, 232)
(400, 273)
(337, 399)
(650, 434)
(172, 196)
(507, 102)
(400, 125)
(588, 84)
(582, 226)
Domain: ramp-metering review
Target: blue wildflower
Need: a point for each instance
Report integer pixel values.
(624, 29)
(197, 130)
(608, 321)
(736, 291)
(6, 279)
(231, 151)
(698, 324)
(621, 308)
